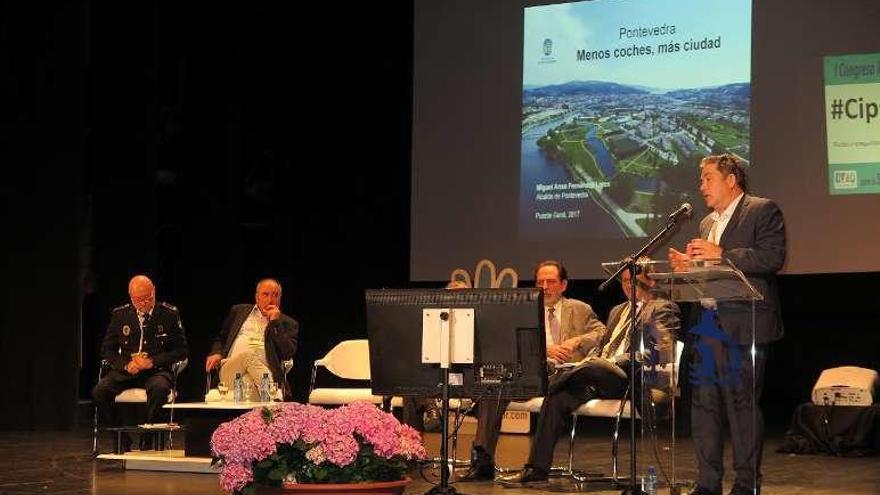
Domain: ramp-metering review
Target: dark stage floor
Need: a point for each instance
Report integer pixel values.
(60, 463)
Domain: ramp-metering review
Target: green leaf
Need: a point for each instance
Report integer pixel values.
(276, 474)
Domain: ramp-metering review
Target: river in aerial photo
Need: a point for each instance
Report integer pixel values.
(589, 221)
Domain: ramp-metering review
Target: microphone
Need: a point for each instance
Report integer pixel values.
(684, 210)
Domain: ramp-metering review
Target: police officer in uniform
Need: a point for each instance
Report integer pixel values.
(143, 341)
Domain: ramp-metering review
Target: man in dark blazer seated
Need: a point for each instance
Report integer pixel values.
(749, 232)
(254, 340)
(603, 374)
(571, 331)
(143, 340)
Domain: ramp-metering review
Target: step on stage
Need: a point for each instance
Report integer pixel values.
(161, 460)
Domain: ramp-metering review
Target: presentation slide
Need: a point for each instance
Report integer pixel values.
(615, 118)
(852, 96)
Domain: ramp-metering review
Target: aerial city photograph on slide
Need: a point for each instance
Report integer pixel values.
(620, 101)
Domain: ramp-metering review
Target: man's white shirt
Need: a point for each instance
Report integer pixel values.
(722, 219)
(251, 337)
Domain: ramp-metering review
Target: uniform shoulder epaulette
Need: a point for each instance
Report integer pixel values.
(168, 306)
(120, 308)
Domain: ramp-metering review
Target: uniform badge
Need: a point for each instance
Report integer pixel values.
(126, 330)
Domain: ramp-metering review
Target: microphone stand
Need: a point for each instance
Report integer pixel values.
(629, 264)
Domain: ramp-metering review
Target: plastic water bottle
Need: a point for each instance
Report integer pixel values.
(264, 389)
(238, 388)
(649, 482)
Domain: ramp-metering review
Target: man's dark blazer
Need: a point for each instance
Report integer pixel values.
(280, 337)
(665, 317)
(754, 241)
(164, 338)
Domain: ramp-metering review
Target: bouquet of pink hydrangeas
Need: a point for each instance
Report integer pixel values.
(299, 443)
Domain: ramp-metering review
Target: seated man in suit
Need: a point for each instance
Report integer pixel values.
(572, 330)
(143, 340)
(254, 340)
(603, 374)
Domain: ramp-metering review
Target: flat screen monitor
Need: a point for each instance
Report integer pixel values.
(509, 343)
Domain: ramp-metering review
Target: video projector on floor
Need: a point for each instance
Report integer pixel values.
(845, 386)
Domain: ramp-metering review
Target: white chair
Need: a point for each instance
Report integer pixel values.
(622, 409)
(532, 406)
(607, 408)
(286, 365)
(349, 359)
(136, 395)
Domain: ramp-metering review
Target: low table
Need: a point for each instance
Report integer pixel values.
(160, 433)
(200, 419)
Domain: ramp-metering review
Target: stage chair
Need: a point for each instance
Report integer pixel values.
(287, 365)
(350, 360)
(532, 406)
(605, 408)
(136, 395)
(622, 409)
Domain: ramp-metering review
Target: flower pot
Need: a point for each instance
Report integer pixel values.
(373, 488)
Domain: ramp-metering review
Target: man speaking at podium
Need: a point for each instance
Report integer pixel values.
(748, 232)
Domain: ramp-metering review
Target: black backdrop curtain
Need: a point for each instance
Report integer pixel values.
(41, 154)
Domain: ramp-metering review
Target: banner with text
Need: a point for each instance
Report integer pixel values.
(852, 100)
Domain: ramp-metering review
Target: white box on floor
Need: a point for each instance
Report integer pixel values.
(512, 422)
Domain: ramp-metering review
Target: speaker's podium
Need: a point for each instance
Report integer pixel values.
(719, 359)
(698, 280)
